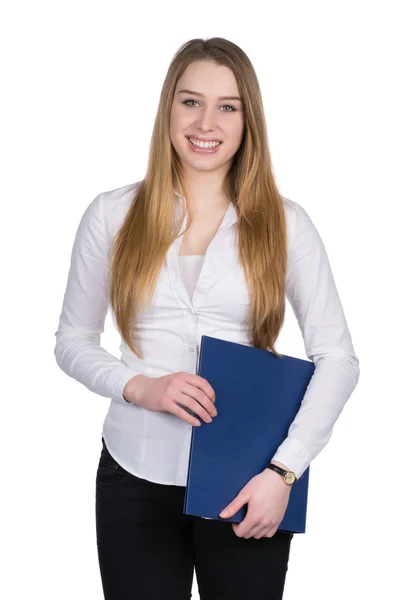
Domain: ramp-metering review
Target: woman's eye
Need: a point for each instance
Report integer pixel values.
(232, 108)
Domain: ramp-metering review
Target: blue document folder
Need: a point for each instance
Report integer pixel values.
(257, 397)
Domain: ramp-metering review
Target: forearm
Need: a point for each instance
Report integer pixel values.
(85, 360)
(330, 388)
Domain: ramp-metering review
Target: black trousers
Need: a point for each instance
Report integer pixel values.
(148, 548)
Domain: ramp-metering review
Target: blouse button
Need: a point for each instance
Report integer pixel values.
(190, 348)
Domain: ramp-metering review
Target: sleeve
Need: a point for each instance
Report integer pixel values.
(77, 350)
(312, 293)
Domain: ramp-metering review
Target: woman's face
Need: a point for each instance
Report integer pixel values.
(206, 114)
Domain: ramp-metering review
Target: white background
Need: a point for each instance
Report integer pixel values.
(340, 84)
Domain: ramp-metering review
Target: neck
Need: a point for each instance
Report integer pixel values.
(206, 192)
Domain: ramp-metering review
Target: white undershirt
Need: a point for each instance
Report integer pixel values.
(189, 268)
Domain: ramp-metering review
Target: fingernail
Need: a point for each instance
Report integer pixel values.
(223, 513)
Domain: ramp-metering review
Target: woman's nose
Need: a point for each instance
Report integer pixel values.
(206, 119)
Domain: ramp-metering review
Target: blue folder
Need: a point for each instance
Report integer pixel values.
(257, 397)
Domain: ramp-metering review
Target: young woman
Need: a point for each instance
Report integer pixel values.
(203, 245)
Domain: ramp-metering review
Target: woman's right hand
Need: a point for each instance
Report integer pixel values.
(170, 393)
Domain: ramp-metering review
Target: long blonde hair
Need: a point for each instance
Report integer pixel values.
(140, 246)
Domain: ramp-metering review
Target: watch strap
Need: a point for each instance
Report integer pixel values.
(281, 471)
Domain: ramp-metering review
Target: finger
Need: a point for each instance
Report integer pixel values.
(246, 528)
(235, 505)
(258, 532)
(192, 406)
(272, 532)
(198, 399)
(238, 529)
(180, 412)
(201, 383)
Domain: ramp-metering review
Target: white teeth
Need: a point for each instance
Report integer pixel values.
(203, 144)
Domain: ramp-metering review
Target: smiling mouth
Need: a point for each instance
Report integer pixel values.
(203, 145)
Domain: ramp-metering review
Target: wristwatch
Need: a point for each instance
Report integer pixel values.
(288, 476)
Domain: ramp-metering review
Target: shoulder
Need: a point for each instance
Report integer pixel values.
(113, 205)
(302, 233)
(301, 230)
(296, 214)
(291, 211)
(102, 218)
(117, 202)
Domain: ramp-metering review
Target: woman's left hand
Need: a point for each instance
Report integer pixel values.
(267, 496)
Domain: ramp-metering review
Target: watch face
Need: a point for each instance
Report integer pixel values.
(290, 478)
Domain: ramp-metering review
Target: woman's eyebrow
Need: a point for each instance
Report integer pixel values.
(220, 98)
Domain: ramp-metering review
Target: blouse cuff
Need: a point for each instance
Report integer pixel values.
(294, 455)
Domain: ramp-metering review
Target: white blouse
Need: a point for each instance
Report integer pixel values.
(194, 297)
